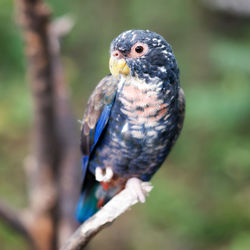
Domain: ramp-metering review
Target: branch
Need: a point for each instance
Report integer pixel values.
(235, 7)
(62, 26)
(113, 209)
(13, 219)
(34, 18)
(53, 166)
(68, 178)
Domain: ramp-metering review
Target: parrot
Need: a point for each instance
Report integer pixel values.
(132, 120)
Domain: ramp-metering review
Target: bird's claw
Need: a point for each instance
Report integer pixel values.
(139, 188)
(103, 175)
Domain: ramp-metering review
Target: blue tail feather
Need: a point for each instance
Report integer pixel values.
(87, 205)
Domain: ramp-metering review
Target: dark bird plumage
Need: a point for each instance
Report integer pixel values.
(132, 119)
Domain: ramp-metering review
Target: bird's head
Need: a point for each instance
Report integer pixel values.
(143, 54)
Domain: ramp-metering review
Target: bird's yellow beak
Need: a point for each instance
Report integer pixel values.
(118, 66)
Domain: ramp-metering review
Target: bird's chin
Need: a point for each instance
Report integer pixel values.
(118, 67)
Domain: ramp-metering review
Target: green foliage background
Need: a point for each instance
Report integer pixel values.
(201, 198)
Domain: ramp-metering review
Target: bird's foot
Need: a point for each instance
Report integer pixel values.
(104, 175)
(139, 188)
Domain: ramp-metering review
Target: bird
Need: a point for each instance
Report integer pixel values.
(132, 120)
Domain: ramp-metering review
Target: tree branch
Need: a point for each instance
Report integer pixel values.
(14, 220)
(113, 209)
(68, 179)
(234, 7)
(53, 165)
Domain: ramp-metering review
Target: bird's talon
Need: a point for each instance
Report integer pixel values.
(147, 186)
(138, 188)
(103, 175)
(98, 174)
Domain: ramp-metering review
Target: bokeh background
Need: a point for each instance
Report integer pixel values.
(201, 195)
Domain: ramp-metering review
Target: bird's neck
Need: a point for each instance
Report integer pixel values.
(140, 85)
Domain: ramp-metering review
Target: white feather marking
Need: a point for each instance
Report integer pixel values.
(150, 124)
(162, 69)
(137, 134)
(161, 127)
(133, 37)
(152, 133)
(120, 84)
(125, 128)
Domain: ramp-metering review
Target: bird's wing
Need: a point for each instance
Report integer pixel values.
(181, 114)
(96, 116)
(182, 106)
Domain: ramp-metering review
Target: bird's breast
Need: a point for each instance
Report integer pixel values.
(144, 108)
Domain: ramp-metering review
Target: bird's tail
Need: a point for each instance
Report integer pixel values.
(87, 204)
(94, 196)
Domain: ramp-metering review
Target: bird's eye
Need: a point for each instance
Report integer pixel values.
(139, 49)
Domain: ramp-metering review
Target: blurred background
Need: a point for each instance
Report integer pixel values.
(201, 195)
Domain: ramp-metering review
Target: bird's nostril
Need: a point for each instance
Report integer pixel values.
(117, 54)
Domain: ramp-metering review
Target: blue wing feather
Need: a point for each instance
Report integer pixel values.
(101, 124)
(86, 206)
(85, 160)
(103, 120)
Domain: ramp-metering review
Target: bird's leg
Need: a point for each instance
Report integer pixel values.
(104, 175)
(139, 188)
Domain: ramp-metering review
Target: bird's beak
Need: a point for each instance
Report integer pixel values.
(118, 66)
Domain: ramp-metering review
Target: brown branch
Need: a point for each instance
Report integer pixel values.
(53, 167)
(109, 213)
(67, 138)
(34, 18)
(239, 8)
(62, 26)
(14, 220)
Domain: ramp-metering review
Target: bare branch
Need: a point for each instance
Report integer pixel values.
(113, 209)
(53, 167)
(14, 220)
(234, 7)
(68, 179)
(62, 25)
